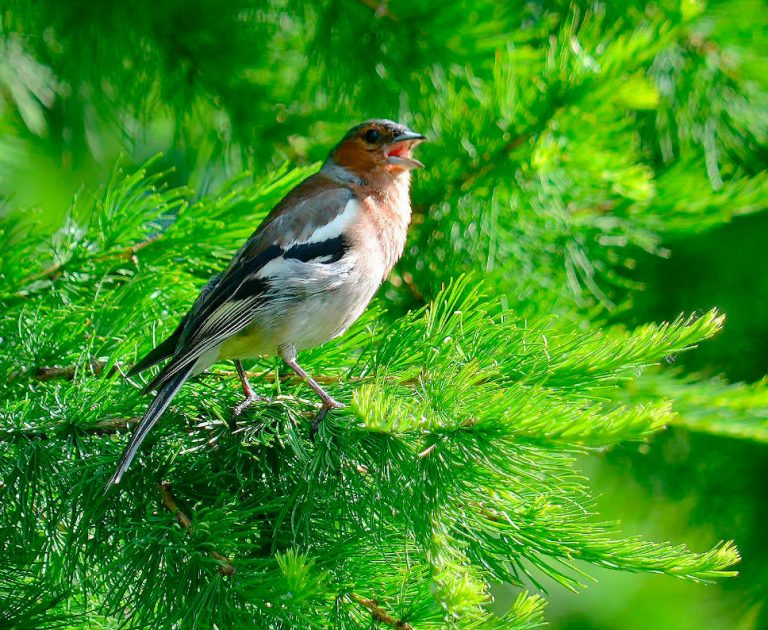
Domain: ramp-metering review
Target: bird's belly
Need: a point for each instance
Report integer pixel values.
(307, 322)
(323, 317)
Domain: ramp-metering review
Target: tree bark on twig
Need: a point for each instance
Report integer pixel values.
(225, 565)
(379, 614)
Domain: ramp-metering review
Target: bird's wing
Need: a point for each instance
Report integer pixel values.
(167, 348)
(307, 226)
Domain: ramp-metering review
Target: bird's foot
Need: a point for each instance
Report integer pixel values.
(328, 404)
(243, 405)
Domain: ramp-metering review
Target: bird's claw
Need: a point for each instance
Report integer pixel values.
(243, 405)
(327, 406)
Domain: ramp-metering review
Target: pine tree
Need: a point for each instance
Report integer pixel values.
(567, 142)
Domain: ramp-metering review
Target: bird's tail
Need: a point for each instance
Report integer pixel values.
(165, 394)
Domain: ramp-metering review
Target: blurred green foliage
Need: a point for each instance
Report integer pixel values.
(593, 166)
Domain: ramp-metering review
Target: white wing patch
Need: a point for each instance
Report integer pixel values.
(279, 266)
(335, 228)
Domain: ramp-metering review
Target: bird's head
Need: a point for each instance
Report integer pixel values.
(377, 147)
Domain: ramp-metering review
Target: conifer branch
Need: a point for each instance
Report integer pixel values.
(380, 9)
(107, 426)
(226, 567)
(379, 614)
(65, 373)
(54, 270)
(584, 141)
(467, 180)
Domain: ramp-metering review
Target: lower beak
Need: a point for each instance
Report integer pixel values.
(403, 144)
(407, 163)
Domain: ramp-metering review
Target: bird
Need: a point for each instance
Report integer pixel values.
(302, 278)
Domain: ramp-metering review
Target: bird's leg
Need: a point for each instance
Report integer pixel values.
(250, 395)
(288, 354)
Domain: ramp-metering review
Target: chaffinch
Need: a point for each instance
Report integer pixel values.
(303, 277)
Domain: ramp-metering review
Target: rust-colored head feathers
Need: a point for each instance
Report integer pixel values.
(376, 147)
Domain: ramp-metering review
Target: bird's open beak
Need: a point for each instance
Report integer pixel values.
(399, 150)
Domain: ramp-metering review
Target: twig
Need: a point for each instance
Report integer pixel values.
(225, 566)
(380, 9)
(465, 182)
(703, 46)
(269, 377)
(379, 614)
(427, 451)
(126, 253)
(68, 373)
(107, 426)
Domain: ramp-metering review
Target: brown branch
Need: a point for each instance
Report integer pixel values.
(107, 426)
(126, 253)
(380, 9)
(427, 451)
(68, 373)
(65, 373)
(705, 47)
(379, 614)
(269, 377)
(225, 566)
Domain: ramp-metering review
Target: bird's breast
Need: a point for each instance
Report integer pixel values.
(382, 230)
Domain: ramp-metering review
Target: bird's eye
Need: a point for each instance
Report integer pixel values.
(372, 136)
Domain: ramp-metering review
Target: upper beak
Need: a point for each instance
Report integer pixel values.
(403, 143)
(409, 136)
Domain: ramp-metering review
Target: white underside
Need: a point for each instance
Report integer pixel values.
(310, 304)
(306, 303)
